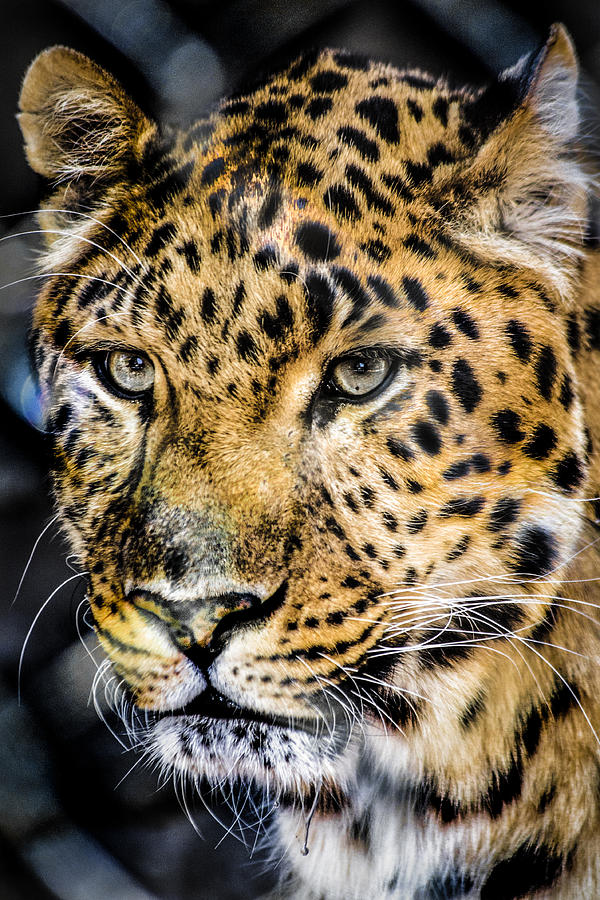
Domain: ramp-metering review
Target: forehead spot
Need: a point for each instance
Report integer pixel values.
(342, 202)
(360, 180)
(416, 293)
(308, 175)
(328, 81)
(354, 137)
(318, 107)
(382, 115)
(316, 241)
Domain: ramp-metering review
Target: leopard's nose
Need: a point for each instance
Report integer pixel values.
(200, 627)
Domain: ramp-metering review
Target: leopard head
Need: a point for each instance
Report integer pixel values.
(307, 373)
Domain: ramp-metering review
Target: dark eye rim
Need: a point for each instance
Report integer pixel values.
(332, 391)
(100, 364)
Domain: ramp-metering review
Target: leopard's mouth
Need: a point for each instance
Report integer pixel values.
(211, 704)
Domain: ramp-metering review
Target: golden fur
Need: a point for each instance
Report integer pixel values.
(388, 602)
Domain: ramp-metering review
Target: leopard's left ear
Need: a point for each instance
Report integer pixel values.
(522, 198)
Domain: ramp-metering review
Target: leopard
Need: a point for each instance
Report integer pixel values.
(319, 375)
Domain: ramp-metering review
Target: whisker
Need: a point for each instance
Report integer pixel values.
(35, 621)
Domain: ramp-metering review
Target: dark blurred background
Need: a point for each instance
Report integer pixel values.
(75, 823)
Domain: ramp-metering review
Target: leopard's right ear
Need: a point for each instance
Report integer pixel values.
(77, 120)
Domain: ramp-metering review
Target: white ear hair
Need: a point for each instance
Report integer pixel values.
(536, 215)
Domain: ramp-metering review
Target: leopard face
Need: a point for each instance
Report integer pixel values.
(308, 374)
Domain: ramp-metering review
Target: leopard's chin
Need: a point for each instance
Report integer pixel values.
(213, 738)
(286, 758)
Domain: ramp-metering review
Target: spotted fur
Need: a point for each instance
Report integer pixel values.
(384, 609)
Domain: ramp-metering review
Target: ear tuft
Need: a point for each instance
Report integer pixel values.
(75, 118)
(549, 83)
(524, 194)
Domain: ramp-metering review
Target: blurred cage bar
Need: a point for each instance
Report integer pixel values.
(80, 819)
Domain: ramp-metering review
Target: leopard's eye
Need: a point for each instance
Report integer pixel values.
(127, 372)
(357, 375)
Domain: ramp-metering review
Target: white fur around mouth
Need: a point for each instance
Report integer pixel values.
(217, 749)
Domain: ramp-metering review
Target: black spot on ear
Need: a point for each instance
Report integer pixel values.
(465, 385)
(541, 443)
(319, 303)
(354, 137)
(545, 370)
(341, 201)
(427, 437)
(534, 551)
(382, 115)
(504, 512)
(519, 339)
(212, 171)
(569, 472)
(316, 241)
(507, 425)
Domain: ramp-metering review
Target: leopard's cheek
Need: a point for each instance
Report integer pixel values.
(152, 669)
